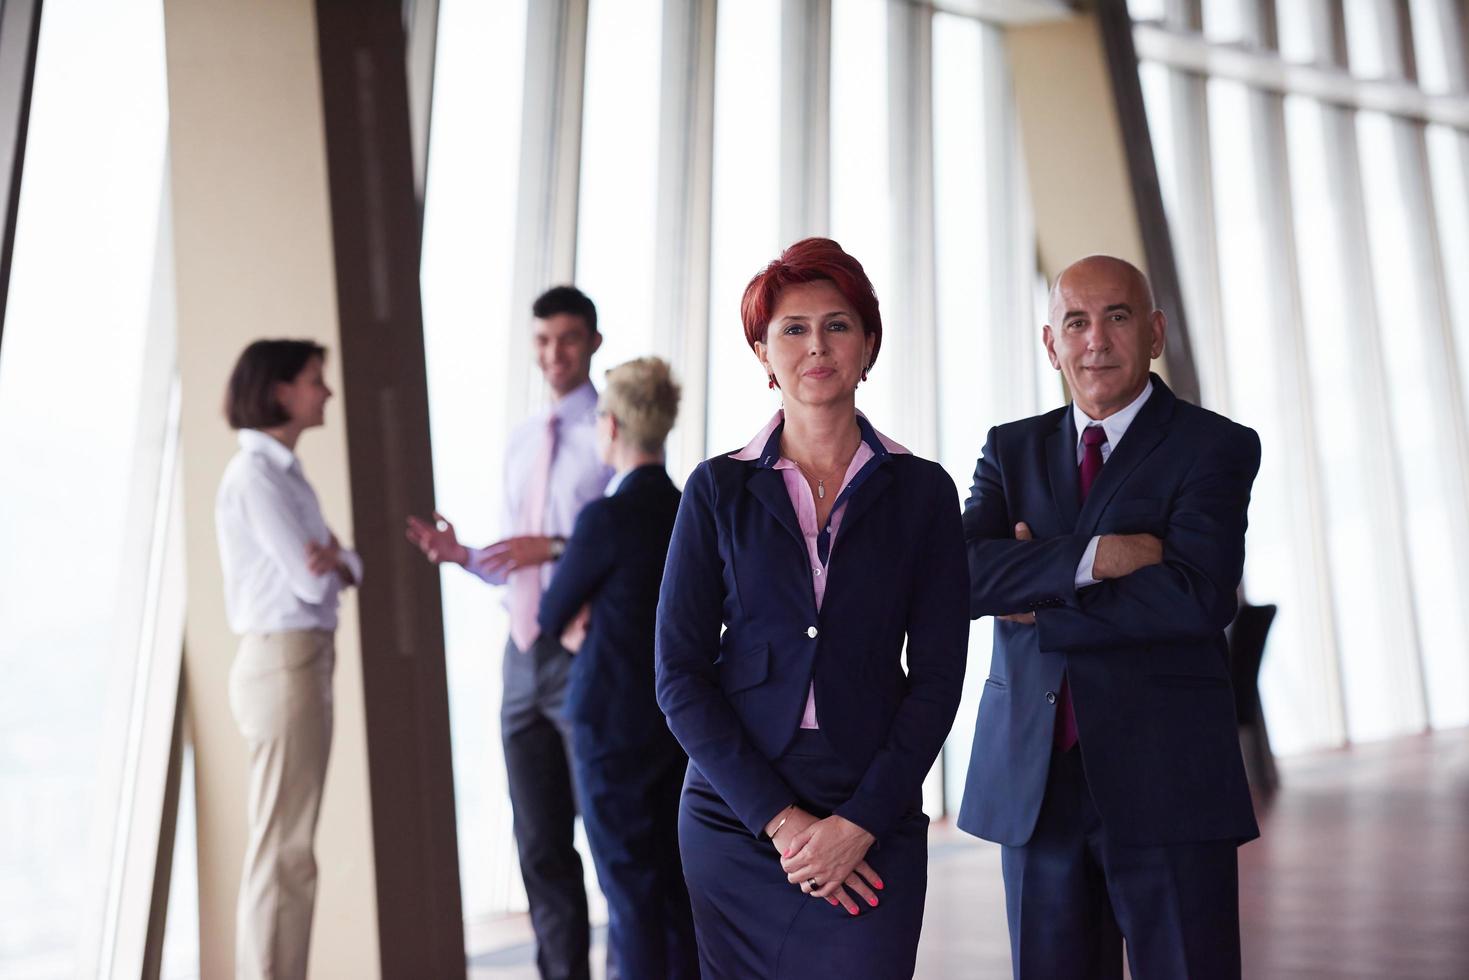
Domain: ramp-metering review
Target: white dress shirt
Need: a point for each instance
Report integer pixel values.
(265, 515)
(1115, 425)
(578, 475)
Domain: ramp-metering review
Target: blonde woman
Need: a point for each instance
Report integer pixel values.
(628, 767)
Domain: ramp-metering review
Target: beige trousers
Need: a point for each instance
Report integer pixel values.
(281, 697)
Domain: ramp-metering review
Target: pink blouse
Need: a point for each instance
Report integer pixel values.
(804, 503)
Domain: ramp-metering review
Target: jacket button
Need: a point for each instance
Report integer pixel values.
(1050, 697)
(811, 632)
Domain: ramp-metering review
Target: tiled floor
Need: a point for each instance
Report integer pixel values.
(1363, 871)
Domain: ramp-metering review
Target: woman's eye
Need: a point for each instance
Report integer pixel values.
(794, 328)
(836, 325)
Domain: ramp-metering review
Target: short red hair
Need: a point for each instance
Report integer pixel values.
(811, 260)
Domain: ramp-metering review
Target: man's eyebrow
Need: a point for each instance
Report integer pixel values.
(1124, 307)
(1073, 313)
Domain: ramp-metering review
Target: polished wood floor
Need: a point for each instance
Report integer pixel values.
(1362, 872)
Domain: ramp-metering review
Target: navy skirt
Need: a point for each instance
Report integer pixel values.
(752, 924)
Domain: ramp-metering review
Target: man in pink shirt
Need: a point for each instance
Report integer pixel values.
(552, 469)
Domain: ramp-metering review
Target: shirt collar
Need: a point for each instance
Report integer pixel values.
(764, 449)
(616, 482)
(263, 444)
(1116, 424)
(576, 404)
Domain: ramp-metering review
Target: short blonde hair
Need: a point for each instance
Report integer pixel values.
(642, 395)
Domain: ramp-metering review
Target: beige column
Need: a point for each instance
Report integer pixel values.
(254, 259)
(1074, 158)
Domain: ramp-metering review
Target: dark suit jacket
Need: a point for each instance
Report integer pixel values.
(614, 560)
(1145, 654)
(738, 561)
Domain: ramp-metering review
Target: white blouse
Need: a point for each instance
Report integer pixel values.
(265, 515)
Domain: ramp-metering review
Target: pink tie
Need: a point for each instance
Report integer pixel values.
(1091, 465)
(525, 583)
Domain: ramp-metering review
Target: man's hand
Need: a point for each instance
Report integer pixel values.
(437, 540)
(510, 554)
(1119, 555)
(575, 633)
(832, 852)
(1022, 533)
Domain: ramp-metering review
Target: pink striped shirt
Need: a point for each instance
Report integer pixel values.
(804, 503)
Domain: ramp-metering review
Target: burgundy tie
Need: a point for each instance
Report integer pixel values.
(1091, 464)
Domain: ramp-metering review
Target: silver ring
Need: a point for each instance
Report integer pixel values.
(813, 883)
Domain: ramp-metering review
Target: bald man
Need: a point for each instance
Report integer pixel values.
(1107, 538)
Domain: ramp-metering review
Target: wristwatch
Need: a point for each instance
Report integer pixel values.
(558, 547)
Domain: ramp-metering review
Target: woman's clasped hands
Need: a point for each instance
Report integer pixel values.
(825, 858)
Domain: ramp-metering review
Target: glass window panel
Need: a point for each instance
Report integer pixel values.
(1433, 36)
(181, 928)
(1448, 158)
(82, 382)
(1365, 52)
(1337, 334)
(1147, 9)
(860, 186)
(618, 206)
(747, 102)
(988, 334)
(1411, 318)
(1294, 33)
(1277, 569)
(468, 259)
(1226, 21)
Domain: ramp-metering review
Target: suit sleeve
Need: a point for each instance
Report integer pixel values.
(1009, 576)
(938, 646)
(581, 570)
(1191, 595)
(690, 614)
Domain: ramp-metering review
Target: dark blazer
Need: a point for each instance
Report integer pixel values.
(1145, 655)
(614, 560)
(738, 561)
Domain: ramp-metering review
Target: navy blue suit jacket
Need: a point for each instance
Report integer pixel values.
(738, 561)
(1145, 654)
(614, 560)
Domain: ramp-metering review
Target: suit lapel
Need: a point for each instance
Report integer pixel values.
(1065, 478)
(769, 488)
(1143, 436)
(861, 502)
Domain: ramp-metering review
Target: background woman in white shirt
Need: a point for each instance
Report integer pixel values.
(283, 571)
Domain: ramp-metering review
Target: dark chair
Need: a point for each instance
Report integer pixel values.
(1246, 649)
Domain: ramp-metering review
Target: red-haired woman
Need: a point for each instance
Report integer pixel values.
(800, 566)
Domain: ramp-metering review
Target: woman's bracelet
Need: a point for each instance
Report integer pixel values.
(784, 816)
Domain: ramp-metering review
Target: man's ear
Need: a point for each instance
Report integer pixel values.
(596, 341)
(1160, 333)
(1049, 339)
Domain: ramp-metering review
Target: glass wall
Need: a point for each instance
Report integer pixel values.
(1335, 231)
(86, 378)
(468, 258)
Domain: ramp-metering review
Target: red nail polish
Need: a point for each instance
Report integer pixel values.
(872, 901)
(877, 883)
(852, 910)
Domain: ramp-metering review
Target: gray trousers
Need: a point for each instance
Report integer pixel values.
(538, 766)
(281, 697)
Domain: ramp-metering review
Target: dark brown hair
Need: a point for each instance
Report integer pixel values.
(249, 401)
